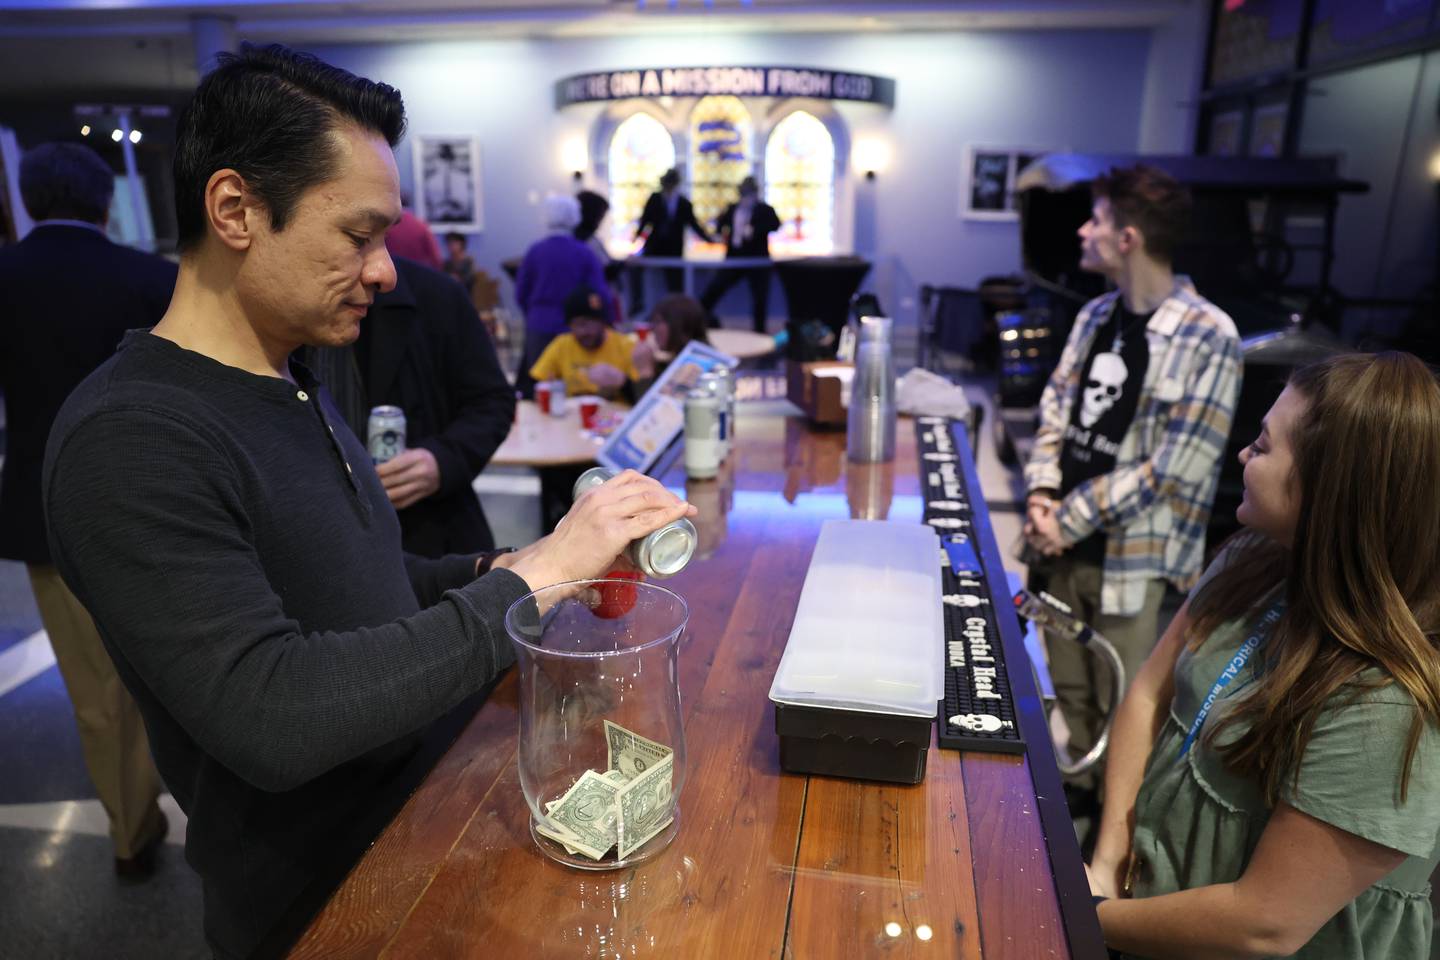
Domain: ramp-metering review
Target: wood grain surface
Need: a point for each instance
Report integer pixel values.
(541, 440)
(765, 864)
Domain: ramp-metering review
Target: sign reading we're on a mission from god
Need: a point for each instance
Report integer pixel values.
(735, 81)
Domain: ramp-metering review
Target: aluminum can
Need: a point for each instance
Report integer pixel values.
(704, 419)
(727, 380)
(714, 384)
(557, 398)
(661, 553)
(727, 376)
(385, 433)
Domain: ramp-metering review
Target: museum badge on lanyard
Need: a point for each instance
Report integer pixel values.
(1231, 671)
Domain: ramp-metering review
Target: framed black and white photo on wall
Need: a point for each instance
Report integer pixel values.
(447, 182)
(987, 181)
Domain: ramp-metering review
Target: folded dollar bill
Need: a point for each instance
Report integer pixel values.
(559, 836)
(588, 813)
(644, 806)
(630, 753)
(626, 805)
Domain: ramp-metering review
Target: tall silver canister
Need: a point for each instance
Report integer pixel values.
(870, 421)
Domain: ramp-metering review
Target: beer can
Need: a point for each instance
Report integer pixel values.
(727, 377)
(589, 480)
(714, 384)
(385, 433)
(661, 553)
(704, 448)
(557, 398)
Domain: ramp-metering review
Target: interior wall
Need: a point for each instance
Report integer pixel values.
(1174, 72)
(1383, 120)
(1408, 263)
(1075, 90)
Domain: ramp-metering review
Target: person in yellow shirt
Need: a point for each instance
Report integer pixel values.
(591, 358)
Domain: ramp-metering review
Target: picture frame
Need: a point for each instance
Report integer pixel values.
(1267, 130)
(1225, 130)
(987, 180)
(654, 423)
(447, 182)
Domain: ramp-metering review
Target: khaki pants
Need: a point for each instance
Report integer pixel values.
(112, 735)
(1082, 680)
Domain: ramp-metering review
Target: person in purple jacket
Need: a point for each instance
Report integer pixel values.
(551, 269)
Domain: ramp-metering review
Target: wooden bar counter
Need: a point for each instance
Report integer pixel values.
(766, 864)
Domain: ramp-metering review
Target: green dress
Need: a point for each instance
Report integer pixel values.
(1196, 823)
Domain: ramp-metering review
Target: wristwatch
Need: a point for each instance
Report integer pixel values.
(487, 560)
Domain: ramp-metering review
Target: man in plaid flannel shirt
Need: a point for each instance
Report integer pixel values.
(1133, 424)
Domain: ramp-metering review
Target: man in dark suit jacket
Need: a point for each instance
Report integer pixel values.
(67, 295)
(424, 349)
(746, 227)
(663, 222)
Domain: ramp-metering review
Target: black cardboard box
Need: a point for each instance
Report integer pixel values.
(848, 743)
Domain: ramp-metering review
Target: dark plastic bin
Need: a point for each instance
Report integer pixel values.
(847, 743)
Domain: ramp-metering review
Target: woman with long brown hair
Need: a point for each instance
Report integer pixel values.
(1273, 787)
(675, 321)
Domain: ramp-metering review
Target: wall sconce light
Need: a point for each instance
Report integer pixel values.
(1435, 166)
(574, 157)
(871, 157)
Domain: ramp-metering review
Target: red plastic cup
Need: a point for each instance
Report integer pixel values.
(642, 331)
(618, 599)
(542, 397)
(589, 411)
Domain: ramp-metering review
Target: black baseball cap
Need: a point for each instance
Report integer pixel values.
(585, 301)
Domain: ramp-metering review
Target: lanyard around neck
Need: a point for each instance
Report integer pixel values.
(1230, 671)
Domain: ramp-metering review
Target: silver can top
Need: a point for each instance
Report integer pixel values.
(875, 329)
(386, 410)
(665, 552)
(591, 478)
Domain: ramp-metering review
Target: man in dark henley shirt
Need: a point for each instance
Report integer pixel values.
(228, 532)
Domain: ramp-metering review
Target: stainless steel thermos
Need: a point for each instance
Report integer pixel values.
(870, 421)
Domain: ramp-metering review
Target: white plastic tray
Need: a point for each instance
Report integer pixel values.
(868, 632)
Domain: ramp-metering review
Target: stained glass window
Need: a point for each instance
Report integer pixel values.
(640, 151)
(721, 148)
(800, 185)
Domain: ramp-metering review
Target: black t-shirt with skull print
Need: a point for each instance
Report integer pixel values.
(1110, 386)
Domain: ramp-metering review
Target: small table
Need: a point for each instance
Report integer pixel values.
(556, 447)
(541, 440)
